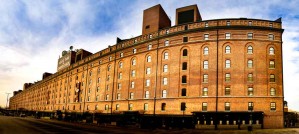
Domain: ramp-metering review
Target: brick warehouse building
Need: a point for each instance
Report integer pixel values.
(222, 71)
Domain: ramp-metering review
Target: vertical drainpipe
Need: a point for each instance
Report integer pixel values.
(217, 59)
(155, 91)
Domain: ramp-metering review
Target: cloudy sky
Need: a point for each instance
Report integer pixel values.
(33, 33)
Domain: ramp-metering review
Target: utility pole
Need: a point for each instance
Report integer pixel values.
(7, 99)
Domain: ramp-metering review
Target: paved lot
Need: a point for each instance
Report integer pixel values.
(19, 125)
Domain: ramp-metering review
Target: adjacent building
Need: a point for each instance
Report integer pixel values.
(231, 67)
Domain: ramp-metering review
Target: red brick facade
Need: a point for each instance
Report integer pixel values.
(176, 73)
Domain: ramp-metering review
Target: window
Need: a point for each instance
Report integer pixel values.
(250, 77)
(206, 24)
(227, 49)
(227, 23)
(120, 65)
(121, 54)
(165, 68)
(147, 27)
(119, 86)
(164, 81)
(249, 63)
(149, 59)
(166, 56)
(250, 91)
(185, 39)
(227, 106)
(118, 96)
(132, 84)
(205, 64)
(185, 52)
(227, 91)
(130, 106)
(272, 64)
(106, 107)
(271, 37)
(107, 87)
(166, 43)
(147, 83)
(186, 27)
(206, 51)
(149, 47)
(272, 78)
(120, 76)
(96, 107)
(271, 25)
(249, 35)
(134, 62)
(272, 106)
(184, 79)
(183, 106)
(249, 50)
(117, 107)
(250, 23)
(109, 67)
(88, 98)
(148, 71)
(271, 51)
(163, 106)
(110, 58)
(164, 94)
(134, 50)
(184, 67)
(227, 36)
(206, 36)
(204, 106)
(107, 97)
(227, 63)
(250, 106)
(205, 91)
(227, 77)
(135, 41)
(145, 107)
(146, 94)
(272, 91)
(97, 98)
(133, 73)
(167, 31)
(184, 92)
(150, 36)
(108, 77)
(131, 95)
(205, 78)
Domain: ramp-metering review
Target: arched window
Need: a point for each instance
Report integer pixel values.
(164, 94)
(184, 66)
(120, 65)
(249, 50)
(272, 91)
(272, 64)
(184, 79)
(250, 77)
(148, 59)
(134, 62)
(166, 56)
(249, 63)
(227, 63)
(227, 49)
(121, 54)
(206, 51)
(184, 92)
(185, 52)
(165, 68)
(271, 51)
(134, 50)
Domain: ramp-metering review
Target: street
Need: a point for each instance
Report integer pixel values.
(27, 125)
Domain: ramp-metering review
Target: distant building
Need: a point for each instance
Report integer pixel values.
(221, 71)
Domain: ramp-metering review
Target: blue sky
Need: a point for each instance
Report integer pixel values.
(33, 33)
